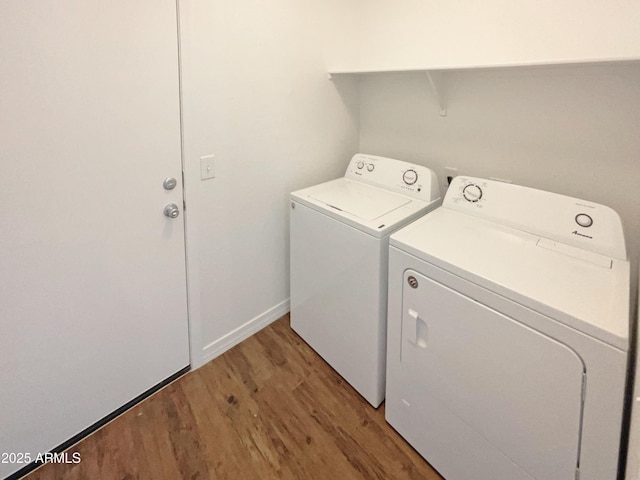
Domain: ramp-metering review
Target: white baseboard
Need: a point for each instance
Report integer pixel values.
(231, 339)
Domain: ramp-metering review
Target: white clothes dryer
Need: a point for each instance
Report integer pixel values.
(508, 335)
(339, 250)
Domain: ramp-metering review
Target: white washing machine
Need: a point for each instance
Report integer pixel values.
(339, 250)
(508, 335)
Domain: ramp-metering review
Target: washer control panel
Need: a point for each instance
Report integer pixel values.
(580, 223)
(410, 177)
(395, 175)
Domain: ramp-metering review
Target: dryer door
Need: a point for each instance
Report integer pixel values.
(490, 398)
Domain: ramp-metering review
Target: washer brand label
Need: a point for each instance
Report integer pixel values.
(575, 232)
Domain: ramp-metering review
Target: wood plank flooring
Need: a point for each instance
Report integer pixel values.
(270, 408)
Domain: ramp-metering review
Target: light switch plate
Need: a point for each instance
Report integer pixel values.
(207, 167)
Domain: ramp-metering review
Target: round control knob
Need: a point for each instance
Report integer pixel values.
(360, 165)
(472, 193)
(370, 167)
(584, 220)
(410, 177)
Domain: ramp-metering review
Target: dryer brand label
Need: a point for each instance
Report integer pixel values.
(575, 232)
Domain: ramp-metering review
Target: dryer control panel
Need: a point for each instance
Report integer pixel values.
(571, 221)
(395, 175)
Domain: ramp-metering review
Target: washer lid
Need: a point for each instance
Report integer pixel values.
(360, 200)
(369, 208)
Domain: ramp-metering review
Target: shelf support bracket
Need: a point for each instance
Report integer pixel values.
(437, 82)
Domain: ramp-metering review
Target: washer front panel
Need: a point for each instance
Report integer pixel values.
(338, 297)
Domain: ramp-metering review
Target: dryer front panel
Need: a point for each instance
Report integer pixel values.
(484, 396)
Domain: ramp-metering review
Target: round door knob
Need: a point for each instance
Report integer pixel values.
(171, 210)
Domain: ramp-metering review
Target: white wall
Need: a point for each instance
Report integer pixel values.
(415, 33)
(256, 94)
(571, 130)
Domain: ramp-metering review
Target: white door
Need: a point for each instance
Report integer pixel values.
(486, 397)
(92, 273)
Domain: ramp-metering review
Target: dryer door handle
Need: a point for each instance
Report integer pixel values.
(416, 329)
